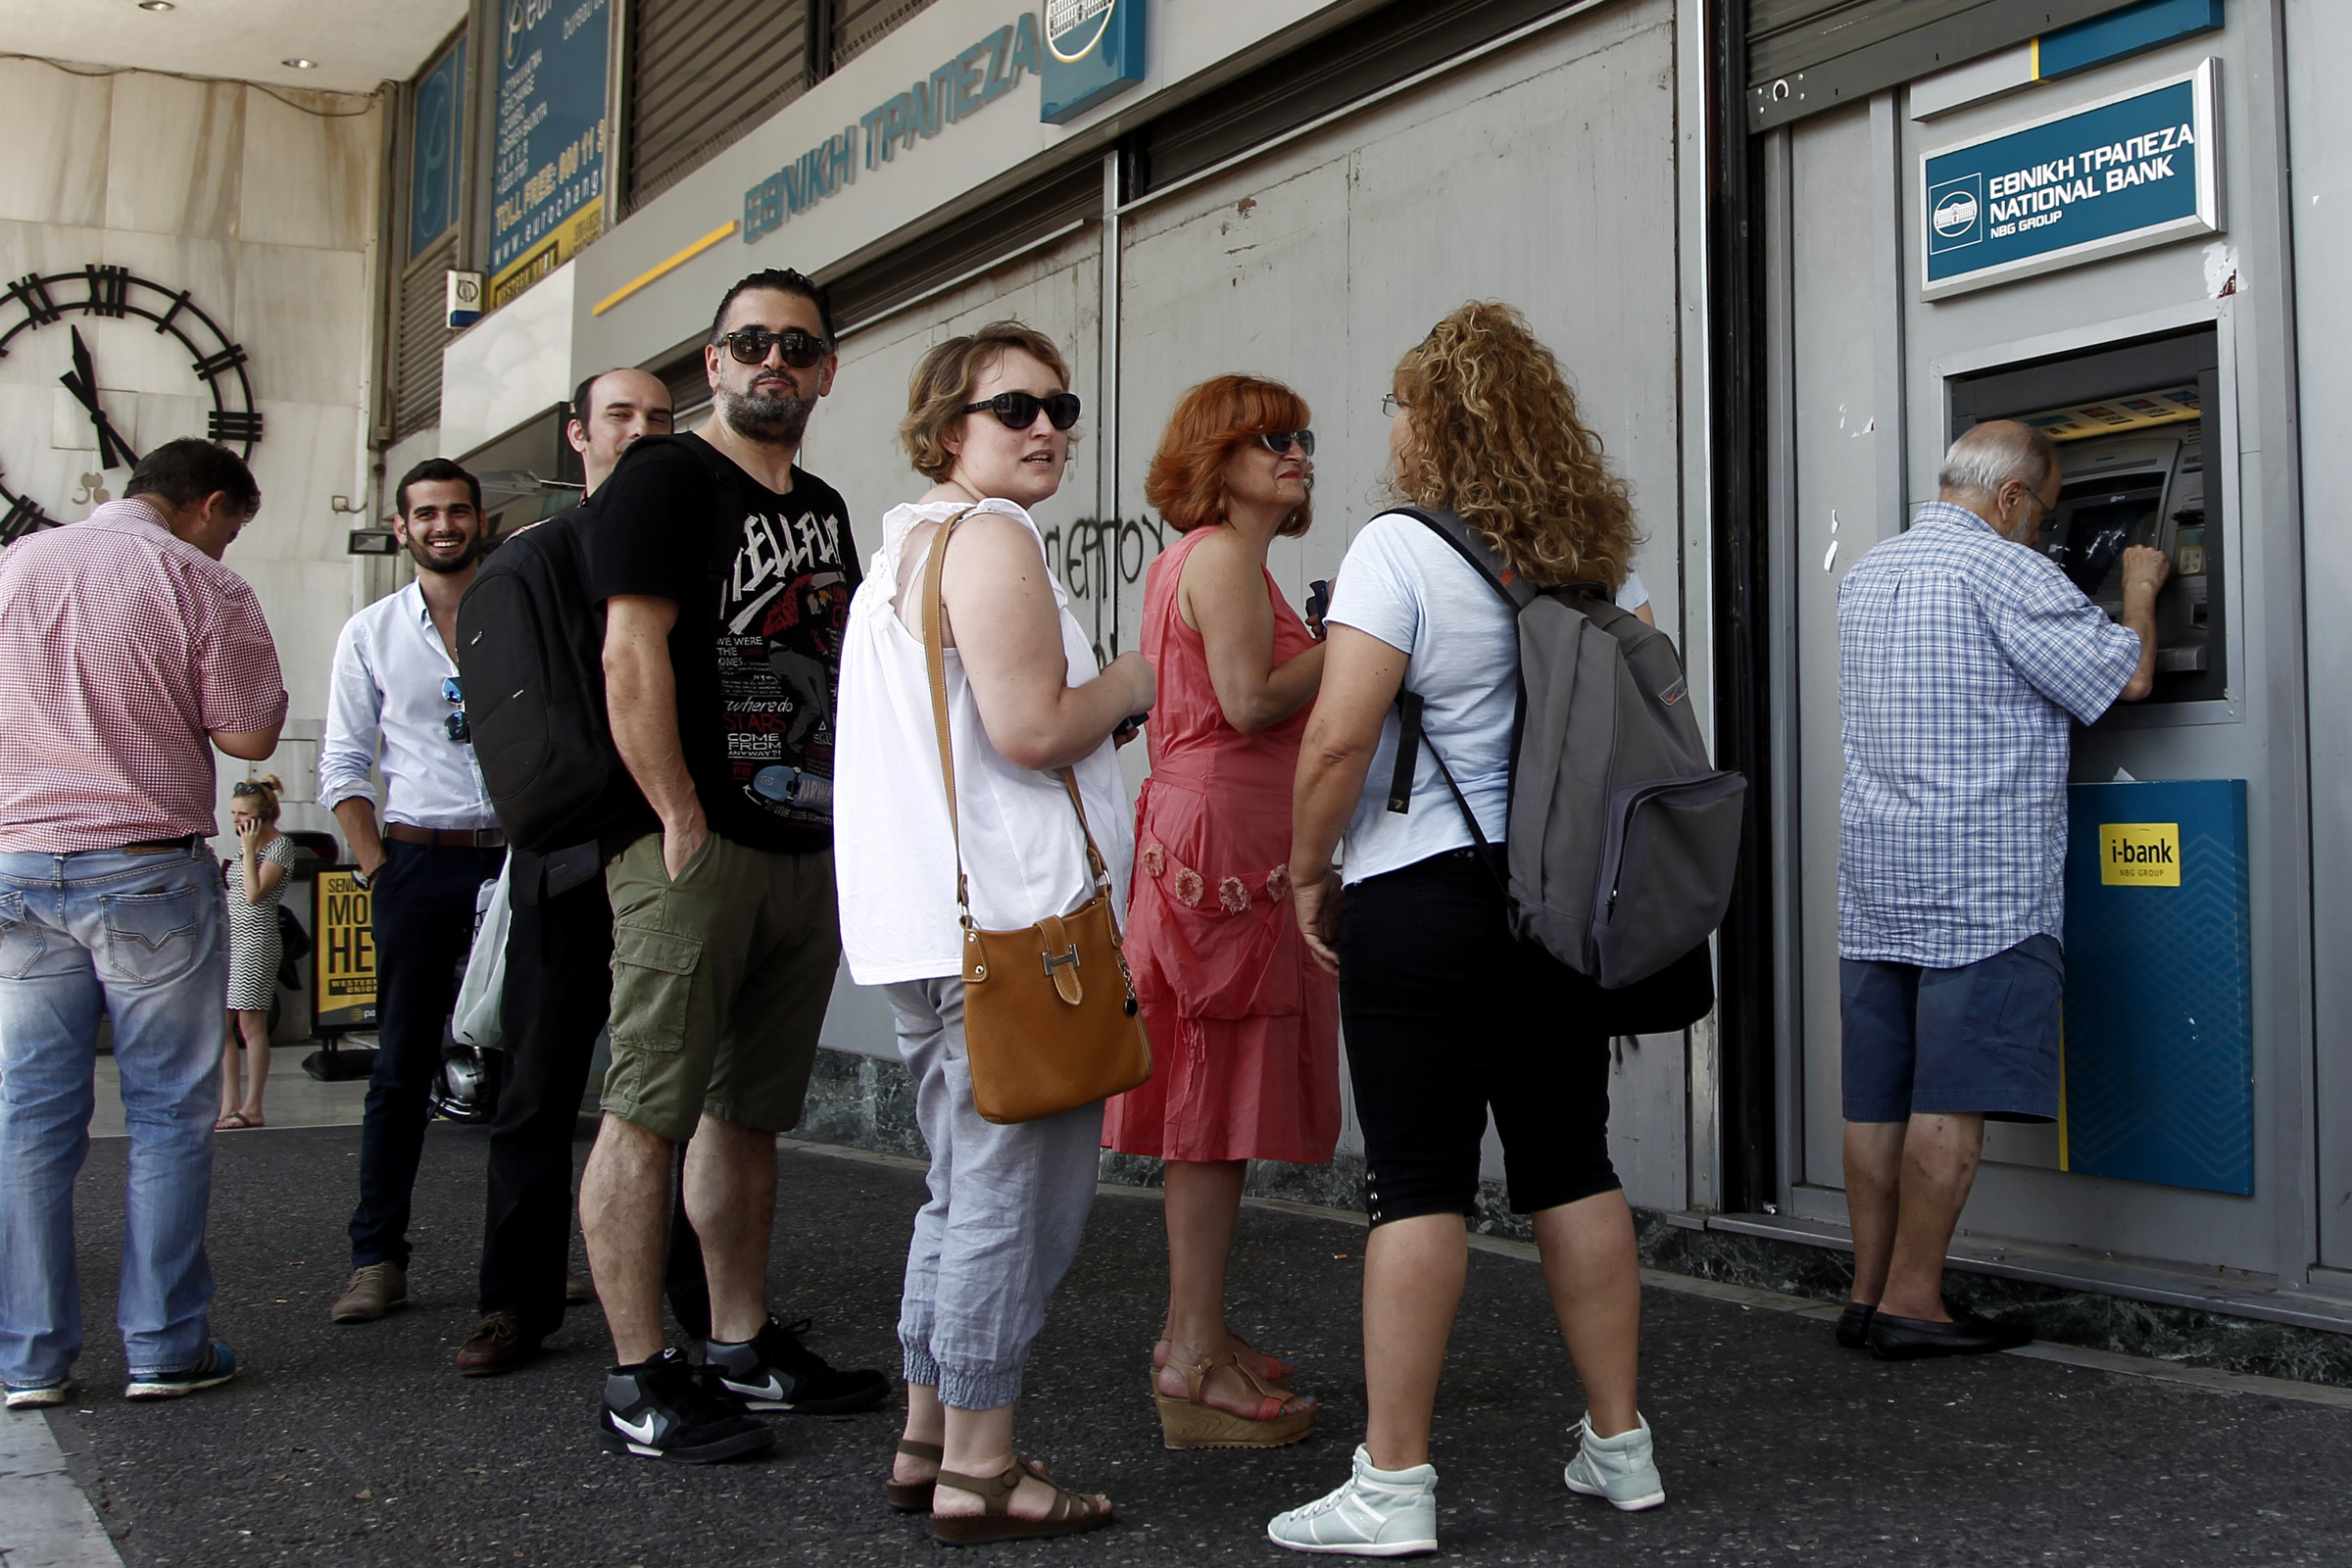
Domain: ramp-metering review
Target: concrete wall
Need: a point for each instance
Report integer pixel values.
(265, 208)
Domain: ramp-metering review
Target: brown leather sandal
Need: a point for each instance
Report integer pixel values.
(913, 1496)
(1070, 1513)
(1192, 1422)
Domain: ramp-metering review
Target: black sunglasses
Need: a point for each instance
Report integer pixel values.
(1017, 411)
(802, 349)
(454, 724)
(1279, 442)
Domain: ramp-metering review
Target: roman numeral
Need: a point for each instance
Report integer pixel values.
(29, 292)
(109, 285)
(179, 303)
(228, 425)
(211, 366)
(22, 518)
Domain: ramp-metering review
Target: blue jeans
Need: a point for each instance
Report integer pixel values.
(144, 938)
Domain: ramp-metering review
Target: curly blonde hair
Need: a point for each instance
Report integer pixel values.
(1499, 440)
(942, 385)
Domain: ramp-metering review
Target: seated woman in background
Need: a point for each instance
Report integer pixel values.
(1448, 1015)
(257, 882)
(989, 417)
(1244, 1026)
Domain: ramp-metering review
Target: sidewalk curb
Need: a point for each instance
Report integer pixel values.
(2206, 1379)
(46, 1520)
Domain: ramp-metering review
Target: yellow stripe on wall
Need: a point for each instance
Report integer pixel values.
(662, 269)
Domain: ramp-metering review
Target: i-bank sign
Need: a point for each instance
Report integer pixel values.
(1086, 52)
(2130, 172)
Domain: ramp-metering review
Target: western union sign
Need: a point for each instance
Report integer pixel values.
(342, 954)
(2139, 855)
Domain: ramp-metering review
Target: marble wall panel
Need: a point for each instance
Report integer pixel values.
(71, 428)
(305, 603)
(44, 248)
(55, 127)
(206, 267)
(310, 175)
(509, 365)
(169, 416)
(302, 314)
(174, 156)
(308, 453)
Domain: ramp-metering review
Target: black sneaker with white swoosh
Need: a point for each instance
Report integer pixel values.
(662, 1409)
(774, 1371)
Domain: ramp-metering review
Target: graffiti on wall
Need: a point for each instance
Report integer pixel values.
(1098, 561)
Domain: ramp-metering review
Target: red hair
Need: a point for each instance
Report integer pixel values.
(1187, 482)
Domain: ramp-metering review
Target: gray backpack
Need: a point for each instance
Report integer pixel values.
(1623, 837)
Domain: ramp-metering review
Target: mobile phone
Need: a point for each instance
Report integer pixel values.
(1129, 725)
(1318, 604)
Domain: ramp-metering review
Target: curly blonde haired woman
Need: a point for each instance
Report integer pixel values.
(1447, 1013)
(257, 880)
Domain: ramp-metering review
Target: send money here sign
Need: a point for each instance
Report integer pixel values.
(2129, 172)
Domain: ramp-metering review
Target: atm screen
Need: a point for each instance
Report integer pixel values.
(2090, 536)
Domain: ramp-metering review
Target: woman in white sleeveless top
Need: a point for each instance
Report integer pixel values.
(988, 420)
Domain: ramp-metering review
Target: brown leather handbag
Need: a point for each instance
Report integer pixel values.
(1050, 1020)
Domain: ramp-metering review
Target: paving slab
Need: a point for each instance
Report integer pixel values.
(360, 1445)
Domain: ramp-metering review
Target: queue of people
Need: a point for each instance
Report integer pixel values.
(781, 706)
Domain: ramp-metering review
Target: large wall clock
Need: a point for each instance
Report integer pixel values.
(37, 302)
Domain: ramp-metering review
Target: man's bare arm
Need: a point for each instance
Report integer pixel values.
(2144, 571)
(641, 699)
(247, 745)
(357, 814)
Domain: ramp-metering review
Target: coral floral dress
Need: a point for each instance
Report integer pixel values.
(1244, 1026)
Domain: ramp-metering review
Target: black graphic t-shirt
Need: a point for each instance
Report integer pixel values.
(763, 584)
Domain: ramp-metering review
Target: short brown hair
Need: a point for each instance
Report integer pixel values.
(942, 385)
(1187, 482)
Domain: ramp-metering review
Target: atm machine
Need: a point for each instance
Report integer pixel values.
(2129, 421)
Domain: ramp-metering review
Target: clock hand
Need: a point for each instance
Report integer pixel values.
(82, 382)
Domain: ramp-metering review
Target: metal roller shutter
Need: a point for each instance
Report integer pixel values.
(856, 23)
(701, 75)
(1806, 56)
(1017, 219)
(418, 331)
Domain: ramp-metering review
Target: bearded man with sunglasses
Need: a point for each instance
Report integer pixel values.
(394, 704)
(725, 574)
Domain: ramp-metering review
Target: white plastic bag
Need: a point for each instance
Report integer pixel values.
(475, 1020)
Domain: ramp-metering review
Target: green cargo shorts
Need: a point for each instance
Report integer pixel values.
(719, 984)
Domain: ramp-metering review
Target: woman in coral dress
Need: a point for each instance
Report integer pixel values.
(1244, 1026)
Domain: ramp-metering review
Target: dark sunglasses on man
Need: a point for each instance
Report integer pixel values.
(802, 349)
(1279, 442)
(454, 724)
(1017, 411)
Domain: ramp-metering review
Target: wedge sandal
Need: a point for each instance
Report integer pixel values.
(1070, 1513)
(1192, 1422)
(913, 1496)
(1163, 1348)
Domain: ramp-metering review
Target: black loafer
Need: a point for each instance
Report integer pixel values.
(1853, 1325)
(1912, 1339)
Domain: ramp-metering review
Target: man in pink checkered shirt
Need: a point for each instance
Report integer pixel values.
(127, 653)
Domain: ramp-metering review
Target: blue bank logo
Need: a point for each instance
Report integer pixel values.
(1956, 213)
(1094, 51)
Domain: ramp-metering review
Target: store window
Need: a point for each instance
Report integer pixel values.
(436, 133)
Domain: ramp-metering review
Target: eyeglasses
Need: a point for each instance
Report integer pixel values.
(1389, 403)
(1017, 411)
(455, 725)
(1279, 442)
(802, 349)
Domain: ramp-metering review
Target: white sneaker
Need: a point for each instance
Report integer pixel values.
(1378, 1513)
(1621, 1468)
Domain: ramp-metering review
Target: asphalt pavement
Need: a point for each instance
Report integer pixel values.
(360, 1445)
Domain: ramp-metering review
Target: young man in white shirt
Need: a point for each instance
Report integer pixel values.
(394, 704)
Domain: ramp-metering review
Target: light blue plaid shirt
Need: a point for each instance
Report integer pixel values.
(1960, 657)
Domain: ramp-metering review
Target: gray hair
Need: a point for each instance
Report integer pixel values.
(1990, 455)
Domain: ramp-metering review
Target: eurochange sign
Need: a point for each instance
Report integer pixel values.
(2137, 169)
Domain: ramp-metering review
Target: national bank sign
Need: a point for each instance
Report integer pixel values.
(1086, 52)
(2136, 169)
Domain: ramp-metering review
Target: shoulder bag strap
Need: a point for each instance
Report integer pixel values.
(935, 661)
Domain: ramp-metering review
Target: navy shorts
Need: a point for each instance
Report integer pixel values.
(1982, 1037)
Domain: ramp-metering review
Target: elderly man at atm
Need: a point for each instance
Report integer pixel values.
(1965, 656)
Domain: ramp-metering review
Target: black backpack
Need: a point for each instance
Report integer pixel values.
(530, 653)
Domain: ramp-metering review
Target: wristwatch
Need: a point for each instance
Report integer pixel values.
(360, 879)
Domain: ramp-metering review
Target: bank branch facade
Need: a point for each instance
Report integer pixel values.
(1786, 250)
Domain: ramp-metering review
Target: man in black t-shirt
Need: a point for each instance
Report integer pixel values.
(725, 574)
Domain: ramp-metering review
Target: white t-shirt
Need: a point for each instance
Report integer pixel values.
(1413, 591)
